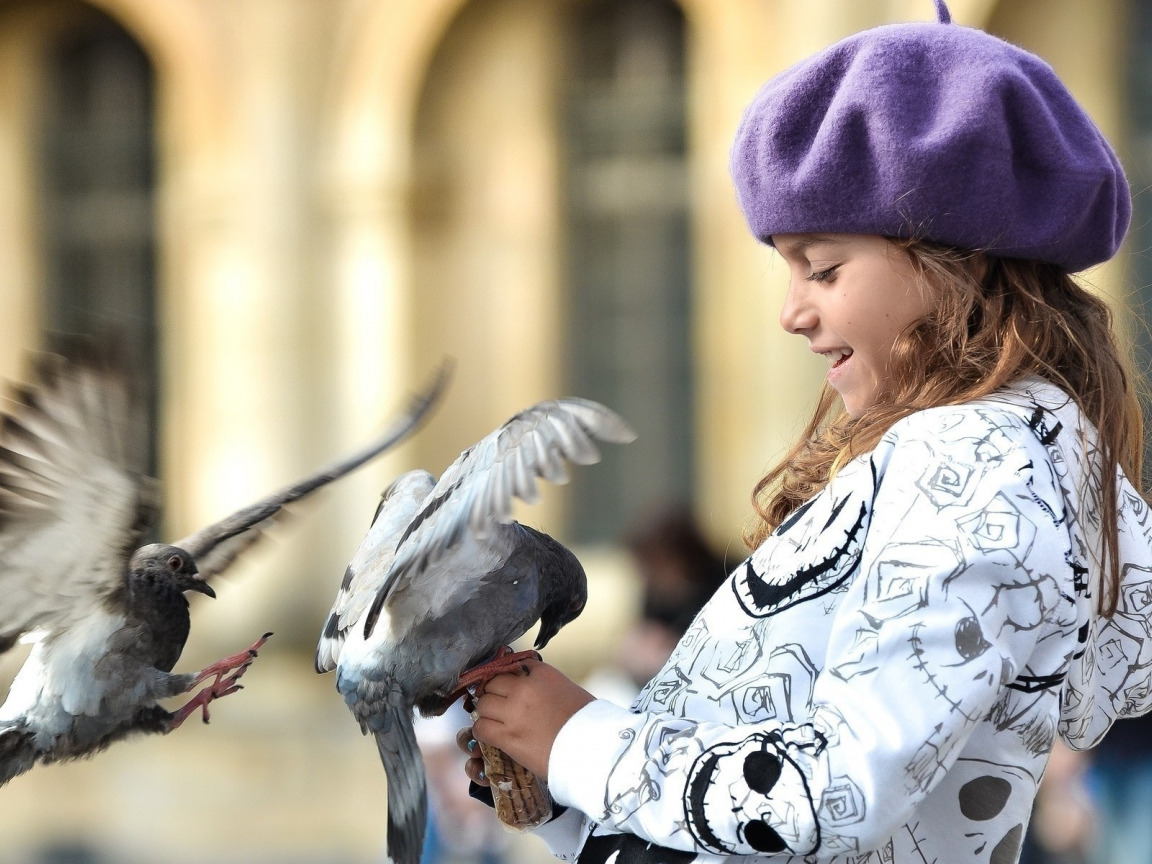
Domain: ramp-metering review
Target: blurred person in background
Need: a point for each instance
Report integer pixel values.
(1120, 783)
(678, 571)
(678, 568)
(461, 830)
(1064, 820)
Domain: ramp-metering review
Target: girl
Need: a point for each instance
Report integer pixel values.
(952, 565)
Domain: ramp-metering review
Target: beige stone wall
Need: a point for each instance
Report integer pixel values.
(326, 234)
(1088, 52)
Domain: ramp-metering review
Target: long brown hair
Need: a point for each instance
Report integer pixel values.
(996, 321)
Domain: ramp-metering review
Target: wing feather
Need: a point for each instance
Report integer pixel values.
(73, 500)
(14, 463)
(476, 491)
(215, 547)
(399, 505)
(525, 485)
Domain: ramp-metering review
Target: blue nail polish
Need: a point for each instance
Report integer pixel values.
(471, 745)
(483, 776)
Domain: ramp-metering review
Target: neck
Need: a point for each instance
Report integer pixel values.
(158, 594)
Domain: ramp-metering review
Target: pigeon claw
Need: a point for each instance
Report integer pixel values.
(215, 690)
(472, 682)
(239, 661)
(237, 664)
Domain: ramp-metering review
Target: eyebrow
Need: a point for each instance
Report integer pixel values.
(800, 246)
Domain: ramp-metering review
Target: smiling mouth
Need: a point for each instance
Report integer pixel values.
(839, 356)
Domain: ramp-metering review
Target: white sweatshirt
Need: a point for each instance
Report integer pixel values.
(883, 679)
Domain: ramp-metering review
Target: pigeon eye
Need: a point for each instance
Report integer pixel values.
(174, 563)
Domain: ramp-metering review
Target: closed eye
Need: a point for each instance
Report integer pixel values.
(823, 275)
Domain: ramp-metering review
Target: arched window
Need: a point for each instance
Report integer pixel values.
(628, 252)
(551, 234)
(98, 207)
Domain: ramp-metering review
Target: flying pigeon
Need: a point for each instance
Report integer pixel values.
(445, 579)
(108, 615)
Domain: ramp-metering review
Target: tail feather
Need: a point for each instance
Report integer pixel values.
(407, 787)
(17, 751)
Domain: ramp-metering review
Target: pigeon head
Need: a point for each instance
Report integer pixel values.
(566, 593)
(158, 563)
(576, 603)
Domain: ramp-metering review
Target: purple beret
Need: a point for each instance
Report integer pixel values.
(933, 131)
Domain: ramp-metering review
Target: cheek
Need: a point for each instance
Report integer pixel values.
(870, 330)
(878, 331)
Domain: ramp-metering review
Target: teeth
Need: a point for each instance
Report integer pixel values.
(838, 354)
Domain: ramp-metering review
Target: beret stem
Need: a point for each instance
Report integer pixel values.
(943, 16)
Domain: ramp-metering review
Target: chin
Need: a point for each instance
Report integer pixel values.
(856, 404)
(851, 406)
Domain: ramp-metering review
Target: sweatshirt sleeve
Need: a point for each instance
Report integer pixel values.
(564, 834)
(964, 567)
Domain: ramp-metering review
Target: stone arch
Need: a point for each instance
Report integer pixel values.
(189, 74)
(365, 168)
(365, 175)
(191, 140)
(190, 103)
(733, 47)
(194, 143)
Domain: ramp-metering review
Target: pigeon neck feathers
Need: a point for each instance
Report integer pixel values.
(160, 607)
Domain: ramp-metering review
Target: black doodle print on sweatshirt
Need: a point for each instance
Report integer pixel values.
(630, 849)
(955, 571)
(737, 781)
(763, 594)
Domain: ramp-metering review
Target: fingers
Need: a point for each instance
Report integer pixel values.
(490, 732)
(501, 699)
(507, 682)
(474, 767)
(465, 741)
(509, 693)
(493, 708)
(513, 699)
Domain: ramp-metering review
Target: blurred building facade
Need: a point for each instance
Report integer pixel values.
(289, 210)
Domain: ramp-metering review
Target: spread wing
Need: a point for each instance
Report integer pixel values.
(477, 489)
(368, 568)
(73, 503)
(215, 548)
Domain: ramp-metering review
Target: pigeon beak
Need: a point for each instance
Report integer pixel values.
(197, 583)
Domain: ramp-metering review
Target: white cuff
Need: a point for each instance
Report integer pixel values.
(564, 835)
(584, 753)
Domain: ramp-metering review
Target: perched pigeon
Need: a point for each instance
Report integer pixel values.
(444, 579)
(108, 616)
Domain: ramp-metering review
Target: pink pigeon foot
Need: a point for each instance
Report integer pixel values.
(472, 682)
(237, 664)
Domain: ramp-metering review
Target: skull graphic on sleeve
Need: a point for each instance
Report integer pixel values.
(753, 797)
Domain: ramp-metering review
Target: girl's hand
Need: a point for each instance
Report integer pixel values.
(522, 715)
(474, 767)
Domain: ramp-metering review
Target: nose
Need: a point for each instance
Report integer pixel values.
(797, 315)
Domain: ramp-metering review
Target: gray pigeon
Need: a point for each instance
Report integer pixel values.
(445, 579)
(108, 616)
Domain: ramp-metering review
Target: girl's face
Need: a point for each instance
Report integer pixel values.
(850, 295)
